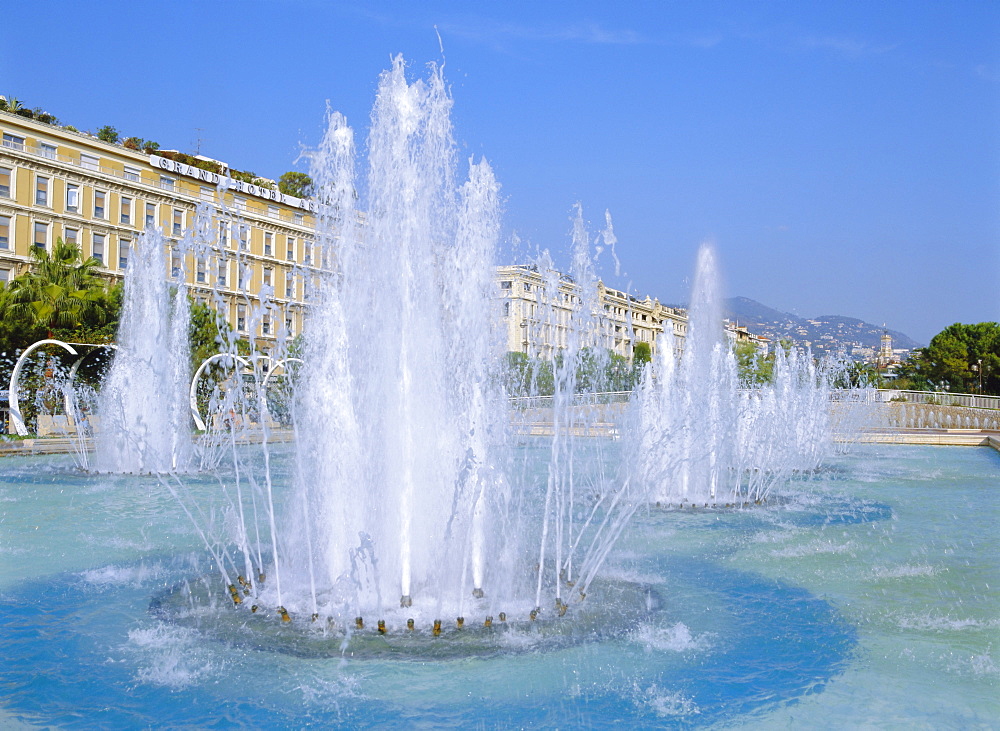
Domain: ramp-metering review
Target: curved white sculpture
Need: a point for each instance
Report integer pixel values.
(15, 404)
(193, 394)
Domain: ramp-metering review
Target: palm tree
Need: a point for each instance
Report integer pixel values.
(60, 290)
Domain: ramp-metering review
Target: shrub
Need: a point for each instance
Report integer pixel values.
(107, 133)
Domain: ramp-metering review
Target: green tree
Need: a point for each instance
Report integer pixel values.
(60, 291)
(642, 353)
(295, 184)
(961, 356)
(107, 133)
(206, 332)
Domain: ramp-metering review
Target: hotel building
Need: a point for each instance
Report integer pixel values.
(537, 309)
(56, 183)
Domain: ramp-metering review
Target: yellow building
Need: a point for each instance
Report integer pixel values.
(56, 183)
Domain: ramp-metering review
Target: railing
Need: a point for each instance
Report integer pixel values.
(578, 399)
(939, 398)
(871, 395)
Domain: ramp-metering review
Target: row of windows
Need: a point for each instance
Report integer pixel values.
(99, 249)
(73, 204)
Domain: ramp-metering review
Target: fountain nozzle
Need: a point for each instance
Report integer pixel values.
(488, 622)
(405, 601)
(284, 614)
(409, 624)
(359, 622)
(381, 626)
(460, 622)
(437, 627)
(478, 593)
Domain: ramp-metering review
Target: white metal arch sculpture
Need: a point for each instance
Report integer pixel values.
(279, 364)
(248, 362)
(76, 368)
(193, 393)
(14, 393)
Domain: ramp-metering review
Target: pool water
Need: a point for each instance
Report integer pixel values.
(867, 596)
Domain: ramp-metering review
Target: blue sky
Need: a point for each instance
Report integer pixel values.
(843, 157)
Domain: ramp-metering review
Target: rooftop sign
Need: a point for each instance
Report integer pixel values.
(216, 179)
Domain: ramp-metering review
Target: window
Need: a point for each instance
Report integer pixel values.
(100, 201)
(289, 285)
(268, 272)
(244, 234)
(207, 194)
(241, 279)
(527, 287)
(97, 249)
(13, 142)
(265, 325)
(131, 173)
(4, 232)
(5, 182)
(178, 222)
(150, 215)
(268, 240)
(72, 198)
(223, 234)
(241, 318)
(89, 162)
(307, 257)
(288, 325)
(71, 236)
(297, 218)
(48, 151)
(506, 309)
(291, 248)
(240, 204)
(4, 276)
(505, 285)
(175, 263)
(220, 279)
(199, 272)
(272, 212)
(41, 191)
(41, 235)
(126, 215)
(166, 183)
(124, 249)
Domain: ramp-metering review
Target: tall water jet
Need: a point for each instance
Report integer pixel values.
(701, 436)
(143, 416)
(399, 423)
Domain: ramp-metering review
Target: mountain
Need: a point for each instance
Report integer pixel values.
(824, 334)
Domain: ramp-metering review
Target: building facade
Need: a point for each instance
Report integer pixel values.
(539, 307)
(59, 184)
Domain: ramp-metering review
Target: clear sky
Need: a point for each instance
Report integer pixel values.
(844, 157)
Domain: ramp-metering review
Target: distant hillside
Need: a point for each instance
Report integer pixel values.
(825, 333)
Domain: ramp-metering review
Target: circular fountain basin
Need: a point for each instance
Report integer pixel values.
(611, 609)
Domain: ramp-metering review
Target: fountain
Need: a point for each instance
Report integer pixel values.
(702, 438)
(402, 511)
(408, 560)
(143, 423)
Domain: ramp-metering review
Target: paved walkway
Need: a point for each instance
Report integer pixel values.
(945, 437)
(68, 445)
